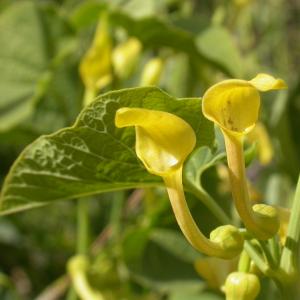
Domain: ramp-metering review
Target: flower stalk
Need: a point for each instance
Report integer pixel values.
(234, 106)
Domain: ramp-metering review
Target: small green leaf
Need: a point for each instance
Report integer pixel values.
(217, 45)
(93, 156)
(202, 159)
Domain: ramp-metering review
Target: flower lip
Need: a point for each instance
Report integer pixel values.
(163, 140)
(233, 104)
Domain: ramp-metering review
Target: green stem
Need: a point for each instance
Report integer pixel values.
(244, 262)
(275, 249)
(289, 256)
(267, 253)
(276, 274)
(89, 95)
(210, 203)
(256, 257)
(116, 214)
(82, 226)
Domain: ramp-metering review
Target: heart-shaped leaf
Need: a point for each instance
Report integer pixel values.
(93, 156)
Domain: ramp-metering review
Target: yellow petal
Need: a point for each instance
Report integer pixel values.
(234, 104)
(96, 65)
(163, 140)
(264, 82)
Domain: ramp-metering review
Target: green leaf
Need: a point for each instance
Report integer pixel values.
(23, 59)
(29, 38)
(93, 156)
(200, 161)
(176, 244)
(218, 46)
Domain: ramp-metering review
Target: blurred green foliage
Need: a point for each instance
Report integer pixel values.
(136, 249)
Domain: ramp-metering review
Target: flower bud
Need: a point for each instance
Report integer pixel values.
(152, 72)
(96, 65)
(125, 57)
(242, 286)
(268, 217)
(229, 239)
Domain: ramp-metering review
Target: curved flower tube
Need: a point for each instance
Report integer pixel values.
(234, 106)
(163, 141)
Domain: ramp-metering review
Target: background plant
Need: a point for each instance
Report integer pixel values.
(132, 231)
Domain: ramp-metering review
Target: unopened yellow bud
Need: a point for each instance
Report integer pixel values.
(229, 239)
(125, 57)
(96, 65)
(268, 217)
(152, 72)
(242, 286)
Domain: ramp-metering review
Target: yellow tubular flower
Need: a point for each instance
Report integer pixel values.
(96, 66)
(163, 141)
(234, 106)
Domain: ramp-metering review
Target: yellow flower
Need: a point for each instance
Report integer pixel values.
(234, 106)
(163, 141)
(96, 65)
(125, 57)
